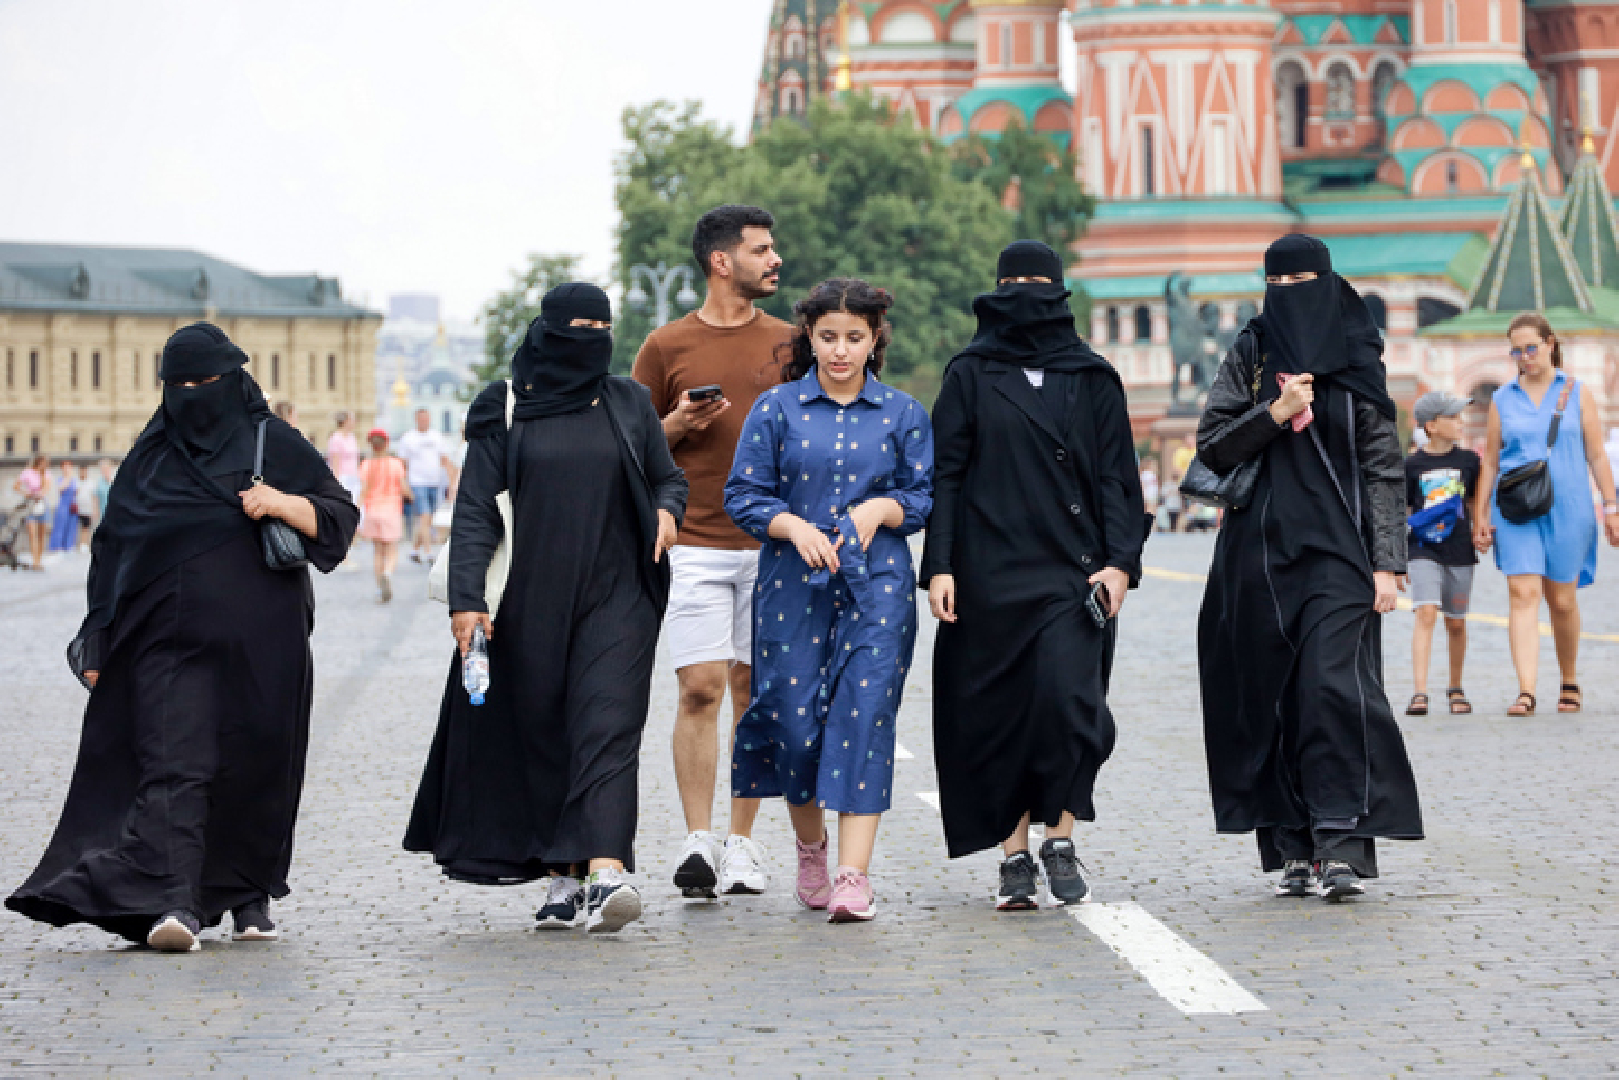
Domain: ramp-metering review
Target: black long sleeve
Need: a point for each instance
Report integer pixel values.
(477, 527)
(1382, 470)
(337, 517)
(1233, 429)
(952, 450)
(670, 488)
(1118, 479)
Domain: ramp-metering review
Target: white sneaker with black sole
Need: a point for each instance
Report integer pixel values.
(742, 867)
(611, 902)
(697, 873)
(564, 907)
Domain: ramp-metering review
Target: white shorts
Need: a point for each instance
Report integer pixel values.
(710, 613)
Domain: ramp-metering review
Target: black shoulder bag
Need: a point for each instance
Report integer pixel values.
(1526, 493)
(283, 547)
(1234, 490)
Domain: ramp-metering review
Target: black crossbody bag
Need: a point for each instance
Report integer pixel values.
(283, 547)
(1526, 493)
(1234, 490)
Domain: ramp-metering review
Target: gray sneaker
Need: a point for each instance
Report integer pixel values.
(564, 906)
(1065, 874)
(611, 902)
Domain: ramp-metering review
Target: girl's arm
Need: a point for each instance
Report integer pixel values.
(913, 470)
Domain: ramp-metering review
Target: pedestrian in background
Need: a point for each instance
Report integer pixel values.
(196, 654)
(343, 453)
(704, 372)
(33, 484)
(1303, 748)
(429, 470)
(541, 780)
(65, 523)
(1036, 533)
(383, 494)
(1441, 483)
(105, 472)
(1553, 555)
(834, 469)
(1149, 488)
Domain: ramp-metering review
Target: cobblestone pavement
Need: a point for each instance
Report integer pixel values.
(1489, 948)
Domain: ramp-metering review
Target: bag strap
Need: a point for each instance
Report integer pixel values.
(258, 453)
(511, 404)
(1557, 418)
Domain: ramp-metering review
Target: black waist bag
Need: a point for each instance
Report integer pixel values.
(1526, 493)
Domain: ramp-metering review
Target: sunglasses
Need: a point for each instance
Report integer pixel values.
(1530, 351)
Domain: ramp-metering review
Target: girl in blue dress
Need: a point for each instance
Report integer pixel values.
(65, 526)
(1555, 554)
(833, 471)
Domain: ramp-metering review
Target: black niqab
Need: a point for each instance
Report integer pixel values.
(560, 368)
(1321, 326)
(1030, 326)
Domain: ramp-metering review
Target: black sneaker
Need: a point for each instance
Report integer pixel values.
(1298, 879)
(564, 904)
(176, 932)
(1020, 884)
(1065, 874)
(251, 922)
(612, 902)
(1339, 882)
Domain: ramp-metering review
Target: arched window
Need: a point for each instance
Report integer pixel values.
(1383, 77)
(792, 100)
(793, 38)
(1006, 44)
(1149, 181)
(1453, 178)
(95, 371)
(1292, 104)
(73, 369)
(331, 371)
(1143, 324)
(1113, 325)
(1340, 92)
(1450, 22)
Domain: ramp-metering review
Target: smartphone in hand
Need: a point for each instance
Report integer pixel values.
(1098, 603)
(698, 395)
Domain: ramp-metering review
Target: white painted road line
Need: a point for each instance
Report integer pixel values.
(902, 754)
(1184, 977)
(929, 797)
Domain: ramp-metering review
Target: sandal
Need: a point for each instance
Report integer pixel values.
(1518, 708)
(1418, 706)
(1458, 700)
(1569, 698)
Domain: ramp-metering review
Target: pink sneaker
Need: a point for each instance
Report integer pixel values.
(852, 898)
(814, 889)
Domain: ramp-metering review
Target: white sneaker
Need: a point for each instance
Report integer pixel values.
(742, 867)
(695, 876)
(611, 902)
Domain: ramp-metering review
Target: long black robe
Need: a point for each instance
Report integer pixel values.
(1034, 491)
(544, 773)
(191, 763)
(1298, 731)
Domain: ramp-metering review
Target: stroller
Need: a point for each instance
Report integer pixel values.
(11, 523)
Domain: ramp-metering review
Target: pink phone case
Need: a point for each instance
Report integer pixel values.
(1300, 420)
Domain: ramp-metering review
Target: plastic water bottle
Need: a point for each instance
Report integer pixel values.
(475, 667)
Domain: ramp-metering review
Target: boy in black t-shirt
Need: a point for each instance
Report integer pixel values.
(1440, 481)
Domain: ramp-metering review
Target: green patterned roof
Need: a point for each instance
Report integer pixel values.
(1363, 29)
(1529, 267)
(1588, 223)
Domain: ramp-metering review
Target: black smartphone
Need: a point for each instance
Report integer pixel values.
(712, 392)
(1097, 604)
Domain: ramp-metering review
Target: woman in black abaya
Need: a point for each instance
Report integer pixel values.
(185, 794)
(1302, 745)
(1037, 499)
(540, 780)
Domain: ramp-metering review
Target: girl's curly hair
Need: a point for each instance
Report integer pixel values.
(852, 295)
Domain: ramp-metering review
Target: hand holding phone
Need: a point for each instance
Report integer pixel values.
(1098, 603)
(699, 395)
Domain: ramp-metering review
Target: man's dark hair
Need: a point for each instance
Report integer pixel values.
(721, 230)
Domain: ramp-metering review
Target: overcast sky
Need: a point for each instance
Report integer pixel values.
(401, 146)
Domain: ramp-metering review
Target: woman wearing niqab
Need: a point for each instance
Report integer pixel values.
(540, 781)
(1037, 499)
(1302, 746)
(185, 794)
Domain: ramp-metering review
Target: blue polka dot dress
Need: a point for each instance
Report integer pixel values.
(830, 651)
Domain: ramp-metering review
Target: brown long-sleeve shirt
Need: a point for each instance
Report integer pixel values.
(688, 353)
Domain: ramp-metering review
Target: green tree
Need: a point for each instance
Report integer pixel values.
(856, 190)
(506, 316)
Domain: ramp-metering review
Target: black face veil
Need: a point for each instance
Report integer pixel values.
(560, 368)
(1029, 324)
(211, 422)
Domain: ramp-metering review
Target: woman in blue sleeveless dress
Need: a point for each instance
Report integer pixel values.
(1553, 555)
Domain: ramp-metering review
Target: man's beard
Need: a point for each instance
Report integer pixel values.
(758, 288)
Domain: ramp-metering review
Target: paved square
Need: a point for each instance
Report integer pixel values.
(1489, 948)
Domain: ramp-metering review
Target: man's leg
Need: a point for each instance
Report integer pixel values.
(696, 740)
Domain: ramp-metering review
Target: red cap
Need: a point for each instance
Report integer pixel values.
(378, 433)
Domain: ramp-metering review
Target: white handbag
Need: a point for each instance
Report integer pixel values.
(494, 582)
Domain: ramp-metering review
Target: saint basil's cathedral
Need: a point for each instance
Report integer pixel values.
(1457, 156)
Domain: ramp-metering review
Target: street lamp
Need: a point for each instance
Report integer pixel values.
(662, 278)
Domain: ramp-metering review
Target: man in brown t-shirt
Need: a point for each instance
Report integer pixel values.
(730, 344)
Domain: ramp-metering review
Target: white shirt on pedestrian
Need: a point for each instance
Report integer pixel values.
(423, 454)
